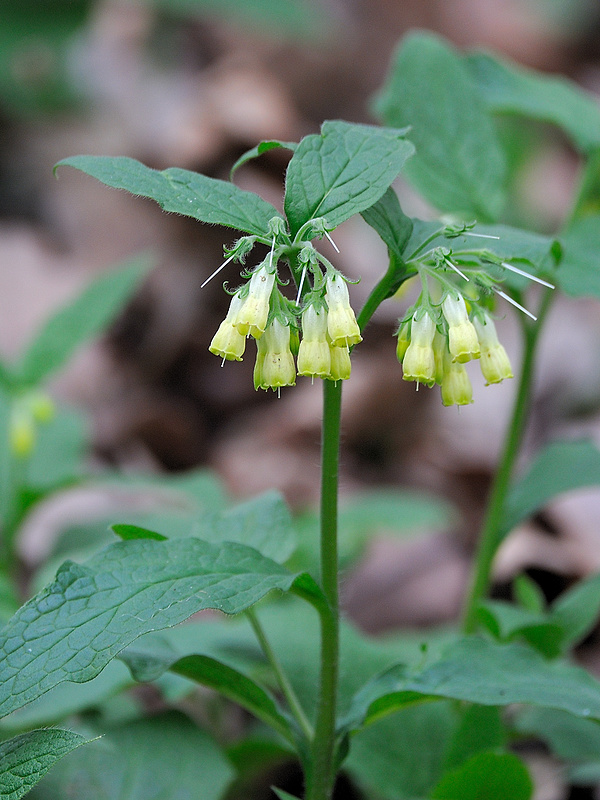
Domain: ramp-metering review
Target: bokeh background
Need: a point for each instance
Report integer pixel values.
(194, 83)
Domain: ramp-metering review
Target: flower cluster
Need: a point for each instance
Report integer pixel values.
(310, 336)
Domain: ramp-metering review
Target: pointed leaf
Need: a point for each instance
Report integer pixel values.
(577, 610)
(181, 191)
(87, 316)
(342, 171)
(507, 622)
(579, 274)
(459, 164)
(510, 89)
(479, 671)
(283, 795)
(147, 663)
(559, 467)
(486, 776)
(166, 757)
(25, 759)
(73, 628)
(391, 223)
(129, 532)
(258, 150)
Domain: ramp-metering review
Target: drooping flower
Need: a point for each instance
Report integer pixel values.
(314, 356)
(456, 386)
(274, 360)
(228, 342)
(494, 361)
(462, 336)
(251, 319)
(340, 363)
(341, 323)
(418, 363)
(403, 340)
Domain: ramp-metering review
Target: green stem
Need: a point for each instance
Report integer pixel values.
(490, 537)
(320, 777)
(282, 679)
(396, 274)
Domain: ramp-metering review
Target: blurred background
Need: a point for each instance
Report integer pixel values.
(193, 84)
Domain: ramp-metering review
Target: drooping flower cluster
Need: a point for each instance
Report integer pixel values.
(319, 327)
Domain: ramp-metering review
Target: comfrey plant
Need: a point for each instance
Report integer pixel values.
(333, 699)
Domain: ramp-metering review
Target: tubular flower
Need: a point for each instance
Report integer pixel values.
(494, 362)
(462, 336)
(274, 361)
(456, 386)
(341, 323)
(228, 342)
(314, 357)
(440, 346)
(419, 360)
(251, 319)
(403, 340)
(340, 363)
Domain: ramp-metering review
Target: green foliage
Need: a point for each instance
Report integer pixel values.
(486, 775)
(459, 165)
(579, 274)
(25, 759)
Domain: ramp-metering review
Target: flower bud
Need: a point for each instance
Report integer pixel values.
(419, 360)
(456, 386)
(341, 323)
(494, 361)
(313, 356)
(22, 433)
(462, 336)
(228, 342)
(274, 361)
(403, 340)
(252, 317)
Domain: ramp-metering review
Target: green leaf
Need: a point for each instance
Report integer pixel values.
(401, 757)
(459, 165)
(72, 629)
(130, 532)
(283, 795)
(25, 759)
(147, 663)
(206, 199)
(264, 522)
(486, 776)
(164, 757)
(391, 223)
(510, 89)
(480, 728)
(482, 672)
(577, 610)
(68, 699)
(579, 273)
(60, 446)
(87, 316)
(508, 622)
(528, 594)
(559, 467)
(571, 738)
(342, 171)
(258, 150)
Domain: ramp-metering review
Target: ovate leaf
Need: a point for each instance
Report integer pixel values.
(342, 171)
(258, 150)
(510, 89)
(74, 627)
(577, 610)
(559, 467)
(390, 222)
(459, 165)
(87, 316)
(206, 199)
(25, 759)
(486, 776)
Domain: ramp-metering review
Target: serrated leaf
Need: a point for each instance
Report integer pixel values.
(510, 89)
(25, 759)
(479, 671)
(166, 757)
(486, 776)
(391, 223)
(459, 165)
(206, 199)
(147, 664)
(87, 316)
(579, 273)
(559, 467)
(73, 628)
(342, 171)
(258, 150)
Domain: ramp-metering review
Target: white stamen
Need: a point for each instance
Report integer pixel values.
(223, 362)
(271, 253)
(527, 275)
(335, 247)
(481, 235)
(301, 284)
(216, 272)
(515, 304)
(455, 268)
